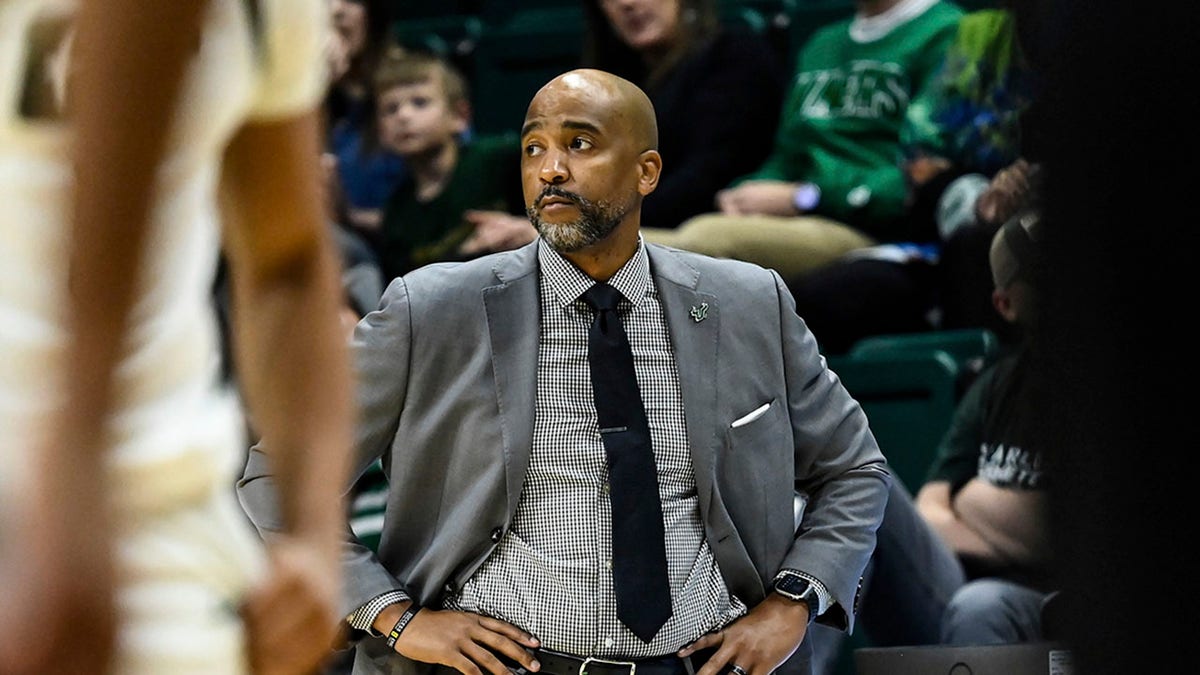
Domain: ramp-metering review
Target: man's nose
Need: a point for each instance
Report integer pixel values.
(554, 169)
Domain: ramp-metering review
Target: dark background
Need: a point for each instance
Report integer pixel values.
(1118, 383)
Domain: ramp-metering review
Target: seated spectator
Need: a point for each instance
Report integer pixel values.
(979, 129)
(726, 83)
(365, 172)
(969, 562)
(975, 118)
(833, 182)
(980, 114)
(459, 198)
(909, 288)
(963, 283)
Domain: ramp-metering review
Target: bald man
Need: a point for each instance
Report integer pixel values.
(513, 494)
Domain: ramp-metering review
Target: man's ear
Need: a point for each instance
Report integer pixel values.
(1003, 303)
(649, 167)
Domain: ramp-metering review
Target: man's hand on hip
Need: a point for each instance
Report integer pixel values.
(757, 643)
(469, 643)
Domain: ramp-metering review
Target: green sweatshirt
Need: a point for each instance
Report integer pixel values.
(841, 123)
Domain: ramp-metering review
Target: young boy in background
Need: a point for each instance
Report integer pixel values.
(459, 199)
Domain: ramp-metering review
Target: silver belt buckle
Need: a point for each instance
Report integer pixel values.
(591, 659)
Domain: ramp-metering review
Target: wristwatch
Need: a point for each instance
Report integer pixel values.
(801, 590)
(806, 197)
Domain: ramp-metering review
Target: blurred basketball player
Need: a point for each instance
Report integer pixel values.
(187, 125)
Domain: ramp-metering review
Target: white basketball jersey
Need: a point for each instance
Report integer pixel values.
(176, 432)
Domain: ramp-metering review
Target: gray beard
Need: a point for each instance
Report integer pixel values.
(596, 221)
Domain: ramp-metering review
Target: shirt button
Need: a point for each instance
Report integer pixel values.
(496, 534)
(604, 487)
(608, 642)
(449, 587)
(608, 564)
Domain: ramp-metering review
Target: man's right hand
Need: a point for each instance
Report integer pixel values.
(1008, 191)
(467, 642)
(758, 198)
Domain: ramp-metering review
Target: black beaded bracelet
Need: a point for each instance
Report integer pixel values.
(401, 624)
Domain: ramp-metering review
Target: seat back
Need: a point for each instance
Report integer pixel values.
(962, 344)
(517, 54)
(1038, 658)
(972, 349)
(909, 399)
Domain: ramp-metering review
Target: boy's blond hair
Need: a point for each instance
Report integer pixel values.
(400, 67)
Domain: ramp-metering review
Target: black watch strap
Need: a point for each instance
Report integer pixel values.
(801, 590)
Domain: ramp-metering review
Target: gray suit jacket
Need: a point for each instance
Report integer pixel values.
(446, 394)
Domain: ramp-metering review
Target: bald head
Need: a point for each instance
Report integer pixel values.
(589, 157)
(622, 102)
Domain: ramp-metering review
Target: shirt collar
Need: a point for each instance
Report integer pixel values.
(568, 282)
(872, 28)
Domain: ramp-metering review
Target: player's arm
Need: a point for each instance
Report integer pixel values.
(293, 368)
(129, 56)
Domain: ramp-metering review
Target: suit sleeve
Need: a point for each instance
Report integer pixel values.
(838, 466)
(381, 349)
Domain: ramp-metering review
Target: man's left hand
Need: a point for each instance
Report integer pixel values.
(496, 231)
(759, 198)
(759, 642)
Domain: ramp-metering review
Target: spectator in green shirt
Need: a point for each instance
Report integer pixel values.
(833, 182)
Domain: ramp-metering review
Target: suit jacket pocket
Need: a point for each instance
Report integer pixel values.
(754, 472)
(750, 416)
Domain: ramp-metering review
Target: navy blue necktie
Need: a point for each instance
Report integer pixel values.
(639, 548)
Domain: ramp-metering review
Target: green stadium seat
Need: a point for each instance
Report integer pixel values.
(909, 399)
(744, 17)
(405, 10)
(769, 18)
(972, 349)
(516, 56)
(451, 36)
(497, 12)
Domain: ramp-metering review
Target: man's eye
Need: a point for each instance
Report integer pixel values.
(580, 143)
(420, 102)
(533, 150)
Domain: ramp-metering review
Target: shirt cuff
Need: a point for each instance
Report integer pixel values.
(824, 598)
(364, 617)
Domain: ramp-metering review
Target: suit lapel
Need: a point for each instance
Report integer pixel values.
(693, 320)
(513, 315)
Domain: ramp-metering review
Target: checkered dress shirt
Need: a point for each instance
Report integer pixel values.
(551, 572)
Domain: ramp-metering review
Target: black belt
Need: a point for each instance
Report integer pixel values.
(557, 663)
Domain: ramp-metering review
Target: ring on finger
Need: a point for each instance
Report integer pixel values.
(737, 670)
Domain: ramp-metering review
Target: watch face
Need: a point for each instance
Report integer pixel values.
(793, 585)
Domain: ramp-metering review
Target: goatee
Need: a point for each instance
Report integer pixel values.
(597, 220)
